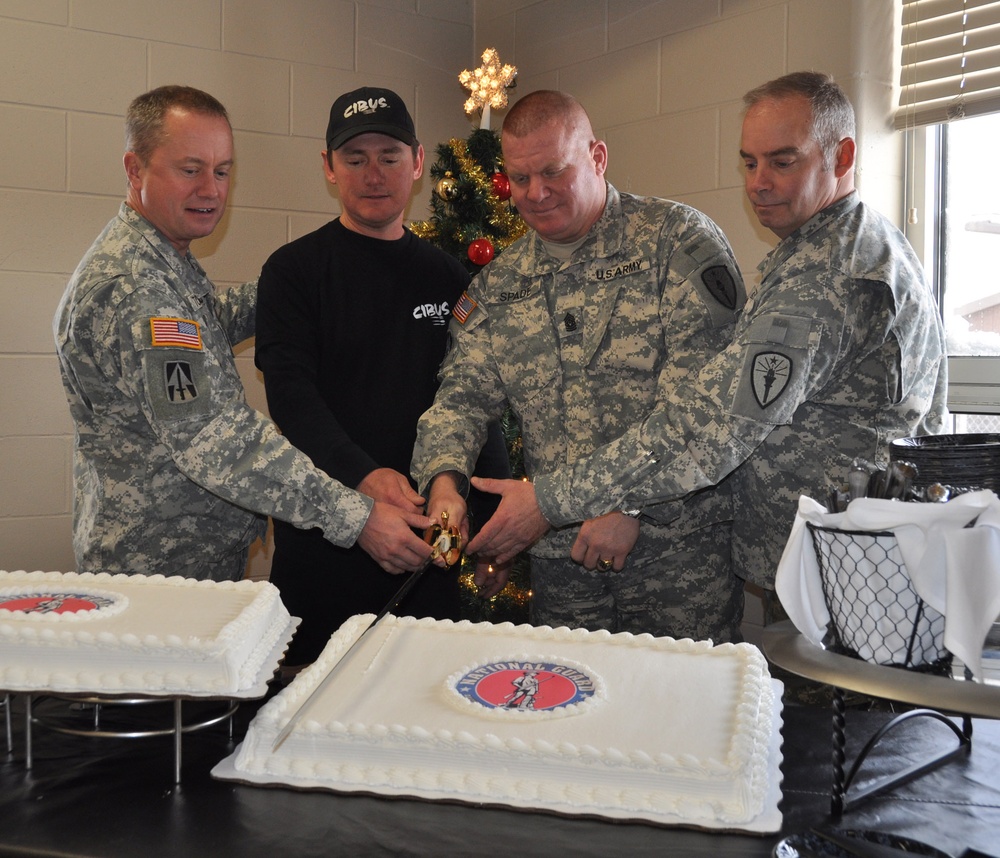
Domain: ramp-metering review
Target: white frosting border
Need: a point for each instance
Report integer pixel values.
(768, 821)
(747, 754)
(185, 651)
(228, 634)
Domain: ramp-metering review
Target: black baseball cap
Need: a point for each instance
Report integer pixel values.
(369, 109)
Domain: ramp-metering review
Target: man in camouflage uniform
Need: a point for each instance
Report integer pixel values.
(174, 473)
(839, 350)
(584, 326)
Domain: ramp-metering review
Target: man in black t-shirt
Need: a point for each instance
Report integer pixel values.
(352, 325)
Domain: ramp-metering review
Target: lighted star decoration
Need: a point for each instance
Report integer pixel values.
(487, 84)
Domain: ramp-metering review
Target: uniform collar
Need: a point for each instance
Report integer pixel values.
(819, 221)
(181, 265)
(604, 239)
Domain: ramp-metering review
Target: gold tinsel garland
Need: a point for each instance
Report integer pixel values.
(504, 217)
(423, 229)
(512, 601)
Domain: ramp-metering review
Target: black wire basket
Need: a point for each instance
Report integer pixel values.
(875, 614)
(971, 460)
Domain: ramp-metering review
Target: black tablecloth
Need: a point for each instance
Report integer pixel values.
(87, 796)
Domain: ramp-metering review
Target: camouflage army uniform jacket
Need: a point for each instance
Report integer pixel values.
(839, 351)
(173, 471)
(585, 348)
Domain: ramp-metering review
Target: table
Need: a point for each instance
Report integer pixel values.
(788, 649)
(119, 800)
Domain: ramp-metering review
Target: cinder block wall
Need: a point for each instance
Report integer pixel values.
(68, 71)
(662, 80)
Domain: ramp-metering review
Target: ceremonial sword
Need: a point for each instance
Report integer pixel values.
(445, 542)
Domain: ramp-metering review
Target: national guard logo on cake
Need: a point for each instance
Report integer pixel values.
(55, 602)
(524, 685)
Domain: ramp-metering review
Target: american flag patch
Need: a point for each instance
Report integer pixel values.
(175, 332)
(463, 308)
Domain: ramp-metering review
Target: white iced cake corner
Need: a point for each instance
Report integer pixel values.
(114, 634)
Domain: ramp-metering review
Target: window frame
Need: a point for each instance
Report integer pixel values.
(973, 381)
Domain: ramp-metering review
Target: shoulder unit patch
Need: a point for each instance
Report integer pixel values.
(771, 373)
(719, 281)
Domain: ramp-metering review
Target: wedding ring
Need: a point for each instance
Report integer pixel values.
(604, 565)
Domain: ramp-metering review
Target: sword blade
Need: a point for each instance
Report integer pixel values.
(390, 606)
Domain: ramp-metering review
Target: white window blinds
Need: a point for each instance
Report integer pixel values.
(950, 60)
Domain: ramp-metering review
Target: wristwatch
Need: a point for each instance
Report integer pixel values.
(631, 513)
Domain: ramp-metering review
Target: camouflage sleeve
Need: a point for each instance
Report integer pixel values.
(240, 457)
(701, 298)
(236, 308)
(709, 426)
(935, 420)
(188, 394)
(451, 433)
(688, 442)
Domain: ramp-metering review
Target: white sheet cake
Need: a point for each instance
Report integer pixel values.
(114, 634)
(577, 722)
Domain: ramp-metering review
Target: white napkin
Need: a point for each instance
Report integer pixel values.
(954, 569)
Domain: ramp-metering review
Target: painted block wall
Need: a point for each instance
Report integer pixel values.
(662, 80)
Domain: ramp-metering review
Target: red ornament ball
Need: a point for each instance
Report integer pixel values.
(501, 186)
(481, 251)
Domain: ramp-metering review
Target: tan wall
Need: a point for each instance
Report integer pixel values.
(69, 70)
(662, 81)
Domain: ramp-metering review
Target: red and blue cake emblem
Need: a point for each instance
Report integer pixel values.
(54, 602)
(526, 686)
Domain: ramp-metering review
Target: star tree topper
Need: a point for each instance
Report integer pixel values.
(487, 85)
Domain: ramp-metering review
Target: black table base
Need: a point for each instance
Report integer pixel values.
(117, 799)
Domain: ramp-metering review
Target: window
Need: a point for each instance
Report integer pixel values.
(970, 235)
(950, 107)
(957, 234)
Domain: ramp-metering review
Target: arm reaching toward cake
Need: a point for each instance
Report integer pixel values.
(516, 525)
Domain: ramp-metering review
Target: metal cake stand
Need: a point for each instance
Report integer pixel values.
(787, 648)
(10, 733)
(100, 698)
(177, 727)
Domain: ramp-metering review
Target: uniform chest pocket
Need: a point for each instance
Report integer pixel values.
(629, 326)
(531, 380)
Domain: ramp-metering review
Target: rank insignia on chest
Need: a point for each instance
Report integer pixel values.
(176, 333)
(463, 308)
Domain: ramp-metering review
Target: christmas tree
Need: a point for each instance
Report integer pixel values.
(473, 219)
(471, 214)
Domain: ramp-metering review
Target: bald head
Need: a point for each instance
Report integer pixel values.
(542, 107)
(555, 164)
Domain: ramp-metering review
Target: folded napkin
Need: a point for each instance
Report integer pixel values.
(954, 568)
